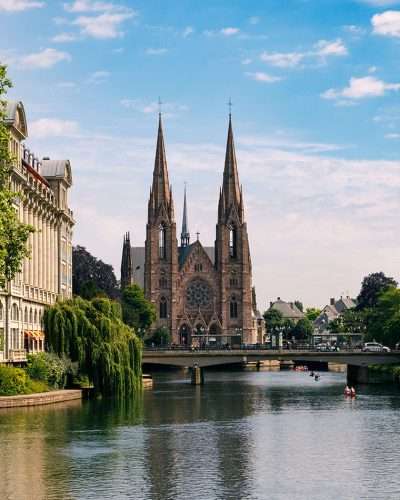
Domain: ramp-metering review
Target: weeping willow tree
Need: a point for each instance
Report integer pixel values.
(92, 334)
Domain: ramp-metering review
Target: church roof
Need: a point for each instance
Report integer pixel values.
(183, 253)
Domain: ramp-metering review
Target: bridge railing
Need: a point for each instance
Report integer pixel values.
(243, 347)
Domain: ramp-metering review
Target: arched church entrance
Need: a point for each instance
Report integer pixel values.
(184, 335)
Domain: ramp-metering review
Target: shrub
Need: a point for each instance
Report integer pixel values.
(49, 368)
(14, 381)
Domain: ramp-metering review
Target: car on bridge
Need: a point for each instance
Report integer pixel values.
(375, 347)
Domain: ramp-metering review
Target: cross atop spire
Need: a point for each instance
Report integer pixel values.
(185, 235)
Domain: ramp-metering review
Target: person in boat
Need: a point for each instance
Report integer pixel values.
(353, 392)
(347, 391)
(316, 377)
(312, 373)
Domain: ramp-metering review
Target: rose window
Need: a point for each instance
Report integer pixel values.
(198, 294)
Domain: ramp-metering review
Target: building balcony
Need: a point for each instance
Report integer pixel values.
(17, 355)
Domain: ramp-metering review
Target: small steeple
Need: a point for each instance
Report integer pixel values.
(230, 187)
(126, 262)
(161, 193)
(185, 235)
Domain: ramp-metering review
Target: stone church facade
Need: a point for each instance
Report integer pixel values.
(203, 295)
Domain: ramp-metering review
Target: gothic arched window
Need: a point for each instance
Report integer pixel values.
(233, 307)
(163, 308)
(163, 282)
(162, 241)
(232, 242)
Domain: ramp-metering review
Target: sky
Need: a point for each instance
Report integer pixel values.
(315, 87)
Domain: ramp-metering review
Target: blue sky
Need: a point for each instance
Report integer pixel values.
(315, 87)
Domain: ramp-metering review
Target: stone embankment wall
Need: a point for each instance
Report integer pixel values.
(41, 398)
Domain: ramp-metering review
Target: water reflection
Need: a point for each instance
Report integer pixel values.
(244, 435)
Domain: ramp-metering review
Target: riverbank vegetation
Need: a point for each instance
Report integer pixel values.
(93, 336)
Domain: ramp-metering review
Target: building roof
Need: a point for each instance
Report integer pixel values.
(288, 309)
(59, 169)
(15, 116)
(333, 310)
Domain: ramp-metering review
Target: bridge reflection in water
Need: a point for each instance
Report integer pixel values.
(357, 361)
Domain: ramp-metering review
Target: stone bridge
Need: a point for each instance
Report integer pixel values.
(357, 361)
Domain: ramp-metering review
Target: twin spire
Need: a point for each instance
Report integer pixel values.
(161, 191)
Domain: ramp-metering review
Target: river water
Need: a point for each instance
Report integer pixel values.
(243, 435)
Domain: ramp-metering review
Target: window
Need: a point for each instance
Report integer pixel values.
(14, 312)
(162, 241)
(232, 242)
(30, 316)
(198, 267)
(233, 307)
(163, 308)
(233, 282)
(1, 310)
(26, 315)
(163, 282)
(35, 316)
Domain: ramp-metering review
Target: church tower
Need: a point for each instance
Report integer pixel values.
(185, 235)
(232, 254)
(161, 246)
(126, 263)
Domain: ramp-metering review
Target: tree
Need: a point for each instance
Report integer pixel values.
(93, 335)
(303, 329)
(161, 337)
(312, 313)
(273, 320)
(299, 305)
(91, 277)
(372, 286)
(13, 233)
(137, 311)
(384, 320)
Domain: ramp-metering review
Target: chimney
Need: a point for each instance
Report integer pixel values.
(46, 158)
(278, 298)
(332, 301)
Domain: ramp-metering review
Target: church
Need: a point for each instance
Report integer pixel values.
(203, 295)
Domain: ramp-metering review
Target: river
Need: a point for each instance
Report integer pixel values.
(242, 436)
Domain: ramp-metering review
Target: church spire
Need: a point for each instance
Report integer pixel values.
(185, 235)
(230, 187)
(126, 262)
(161, 193)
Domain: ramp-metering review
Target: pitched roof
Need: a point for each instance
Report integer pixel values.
(288, 309)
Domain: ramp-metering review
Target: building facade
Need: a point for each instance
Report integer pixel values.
(46, 274)
(203, 295)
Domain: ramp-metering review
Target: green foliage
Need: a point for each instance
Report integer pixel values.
(303, 329)
(13, 233)
(371, 288)
(312, 313)
(92, 334)
(91, 277)
(273, 320)
(14, 381)
(299, 305)
(49, 368)
(137, 312)
(161, 337)
(384, 320)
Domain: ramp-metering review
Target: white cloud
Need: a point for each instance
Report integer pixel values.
(324, 48)
(229, 31)
(282, 59)
(361, 88)
(354, 30)
(19, 5)
(98, 77)
(91, 6)
(64, 38)
(103, 26)
(387, 23)
(44, 59)
(320, 51)
(156, 52)
(259, 76)
(392, 135)
(254, 20)
(170, 109)
(66, 85)
(189, 30)
(52, 127)
(246, 61)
